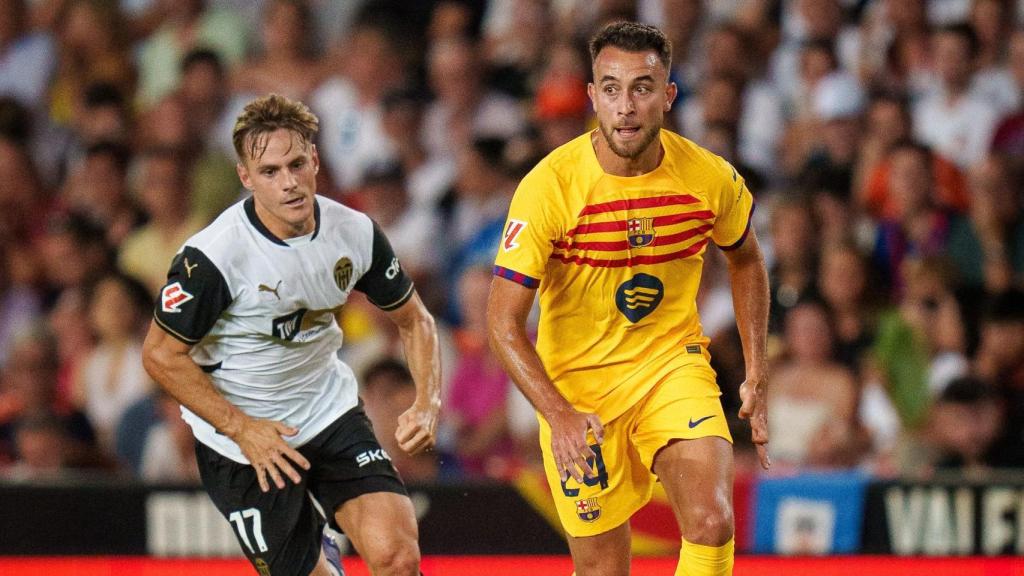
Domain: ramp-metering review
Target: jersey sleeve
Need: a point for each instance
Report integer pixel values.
(385, 284)
(734, 211)
(530, 229)
(192, 300)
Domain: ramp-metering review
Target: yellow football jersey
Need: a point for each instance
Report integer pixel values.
(618, 262)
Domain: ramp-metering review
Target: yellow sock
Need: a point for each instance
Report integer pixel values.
(700, 560)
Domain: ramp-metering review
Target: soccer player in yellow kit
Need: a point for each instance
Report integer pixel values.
(611, 228)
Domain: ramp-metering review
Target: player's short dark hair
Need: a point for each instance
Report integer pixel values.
(267, 114)
(632, 37)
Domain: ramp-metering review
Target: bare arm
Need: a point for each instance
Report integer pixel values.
(750, 297)
(507, 308)
(167, 361)
(417, 425)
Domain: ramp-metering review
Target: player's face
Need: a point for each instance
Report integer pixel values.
(282, 177)
(631, 94)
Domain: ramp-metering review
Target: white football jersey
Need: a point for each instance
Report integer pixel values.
(260, 311)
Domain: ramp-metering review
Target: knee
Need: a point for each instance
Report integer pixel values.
(710, 525)
(399, 557)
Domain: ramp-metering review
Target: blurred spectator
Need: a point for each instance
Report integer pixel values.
(812, 408)
(97, 188)
(164, 193)
(517, 36)
(838, 104)
(561, 105)
(23, 200)
(888, 127)
(204, 94)
(388, 390)
(465, 107)
(287, 62)
(212, 176)
(186, 24)
(921, 346)
(367, 66)
(844, 285)
(92, 49)
(40, 447)
(27, 58)
(112, 377)
(427, 179)
(99, 113)
(794, 258)
(476, 405)
(19, 303)
(1000, 361)
(897, 52)
(1009, 135)
(73, 252)
(410, 227)
(919, 226)
(27, 392)
(953, 120)
(68, 321)
(962, 427)
(988, 249)
(727, 51)
(169, 453)
(992, 22)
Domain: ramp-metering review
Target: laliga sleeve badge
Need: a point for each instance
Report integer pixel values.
(512, 231)
(172, 297)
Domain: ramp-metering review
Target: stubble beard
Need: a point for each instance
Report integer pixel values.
(638, 148)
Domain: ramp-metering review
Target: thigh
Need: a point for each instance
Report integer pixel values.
(698, 478)
(349, 462)
(379, 524)
(622, 486)
(279, 530)
(606, 554)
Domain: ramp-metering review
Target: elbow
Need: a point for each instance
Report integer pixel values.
(156, 361)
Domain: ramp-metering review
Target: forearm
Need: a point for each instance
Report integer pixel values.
(422, 354)
(517, 354)
(751, 298)
(180, 377)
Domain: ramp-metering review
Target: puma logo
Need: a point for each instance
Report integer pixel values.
(189, 269)
(265, 288)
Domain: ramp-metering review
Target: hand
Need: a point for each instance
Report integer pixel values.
(416, 427)
(754, 394)
(261, 443)
(569, 443)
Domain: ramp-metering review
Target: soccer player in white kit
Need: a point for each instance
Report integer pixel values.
(245, 336)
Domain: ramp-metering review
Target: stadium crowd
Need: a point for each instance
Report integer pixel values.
(883, 141)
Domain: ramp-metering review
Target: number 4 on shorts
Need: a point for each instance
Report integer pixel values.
(238, 519)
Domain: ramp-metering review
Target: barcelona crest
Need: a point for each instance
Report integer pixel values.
(588, 509)
(640, 232)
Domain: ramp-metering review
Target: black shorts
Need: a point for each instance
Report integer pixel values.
(279, 530)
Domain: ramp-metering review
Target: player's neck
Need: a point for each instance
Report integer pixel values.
(645, 162)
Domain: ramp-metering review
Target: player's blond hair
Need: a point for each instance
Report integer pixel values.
(268, 114)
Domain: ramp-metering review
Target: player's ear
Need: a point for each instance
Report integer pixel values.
(315, 159)
(243, 175)
(592, 92)
(670, 95)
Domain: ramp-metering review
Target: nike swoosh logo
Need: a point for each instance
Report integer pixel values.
(699, 420)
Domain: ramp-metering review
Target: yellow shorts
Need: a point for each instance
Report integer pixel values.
(685, 405)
